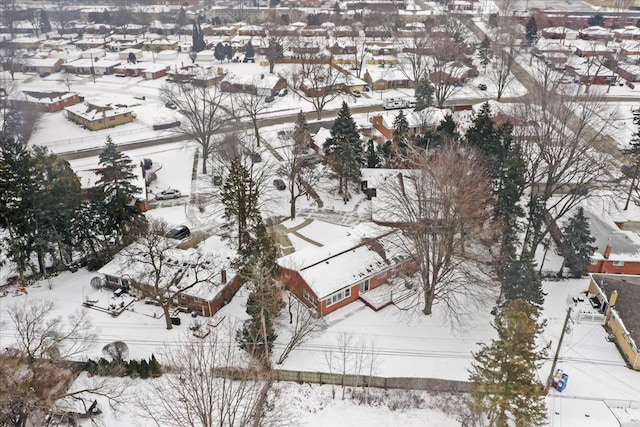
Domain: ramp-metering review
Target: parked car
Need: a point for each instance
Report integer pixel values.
(169, 193)
(269, 98)
(171, 105)
(279, 184)
(179, 233)
(482, 86)
(45, 74)
(356, 93)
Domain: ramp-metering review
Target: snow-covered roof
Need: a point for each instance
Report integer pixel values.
(94, 111)
(47, 97)
(181, 264)
(428, 117)
(368, 250)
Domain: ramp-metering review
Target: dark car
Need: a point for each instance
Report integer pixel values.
(180, 233)
(482, 86)
(279, 184)
(171, 105)
(269, 98)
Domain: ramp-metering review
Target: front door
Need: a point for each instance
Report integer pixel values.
(364, 286)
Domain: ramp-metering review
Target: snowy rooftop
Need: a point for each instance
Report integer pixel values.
(368, 249)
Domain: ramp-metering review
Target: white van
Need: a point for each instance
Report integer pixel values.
(393, 103)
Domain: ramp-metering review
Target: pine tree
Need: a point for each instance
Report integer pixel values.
(531, 31)
(505, 389)
(521, 280)
(344, 151)
(401, 134)
(482, 136)
(133, 368)
(228, 52)
(144, 369)
(155, 370)
(240, 199)
(577, 243)
(117, 193)
(197, 36)
(218, 52)
(373, 161)
(249, 51)
(596, 20)
(45, 25)
(484, 52)
(424, 93)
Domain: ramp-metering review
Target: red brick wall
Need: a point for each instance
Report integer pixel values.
(606, 266)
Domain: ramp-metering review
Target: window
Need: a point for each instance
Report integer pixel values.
(364, 286)
(309, 297)
(618, 263)
(338, 296)
(594, 261)
(111, 279)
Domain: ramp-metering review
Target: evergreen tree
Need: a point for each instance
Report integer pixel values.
(577, 243)
(505, 387)
(240, 199)
(484, 52)
(133, 368)
(45, 25)
(371, 154)
(249, 51)
(401, 134)
(144, 369)
(182, 17)
(228, 52)
(521, 280)
(424, 93)
(531, 31)
(596, 20)
(197, 36)
(482, 136)
(155, 370)
(117, 193)
(218, 52)
(343, 150)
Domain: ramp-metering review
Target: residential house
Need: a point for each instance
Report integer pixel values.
(617, 297)
(51, 101)
(96, 116)
(590, 70)
(559, 33)
(630, 48)
(419, 122)
(28, 43)
(205, 298)
(630, 32)
(97, 66)
(332, 276)
(125, 54)
(96, 43)
(160, 44)
(629, 72)
(42, 65)
(617, 243)
(263, 84)
(596, 33)
(207, 77)
(381, 78)
(124, 44)
(552, 52)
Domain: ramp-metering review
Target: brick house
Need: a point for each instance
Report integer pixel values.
(263, 84)
(205, 298)
(330, 277)
(617, 298)
(51, 101)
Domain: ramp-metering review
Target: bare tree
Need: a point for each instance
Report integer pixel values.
(274, 51)
(163, 273)
(32, 390)
(116, 350)
(303, 323)
(446, 233)
(446, 70)
(315, 80)
(299, 169)
(63, 15)
(568, 149)
(251, 104)
(415, 64)
(359, 45)
(202, 111)
(9, 10)
(39, 334)
(12, 58)
(201, 391)
(504, 51)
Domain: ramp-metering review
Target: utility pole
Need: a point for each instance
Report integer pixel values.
(555, 358)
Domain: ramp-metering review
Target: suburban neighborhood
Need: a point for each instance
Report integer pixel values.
(322, 213)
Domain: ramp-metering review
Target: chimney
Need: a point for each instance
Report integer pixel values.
(223, 276)
(607, 252)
